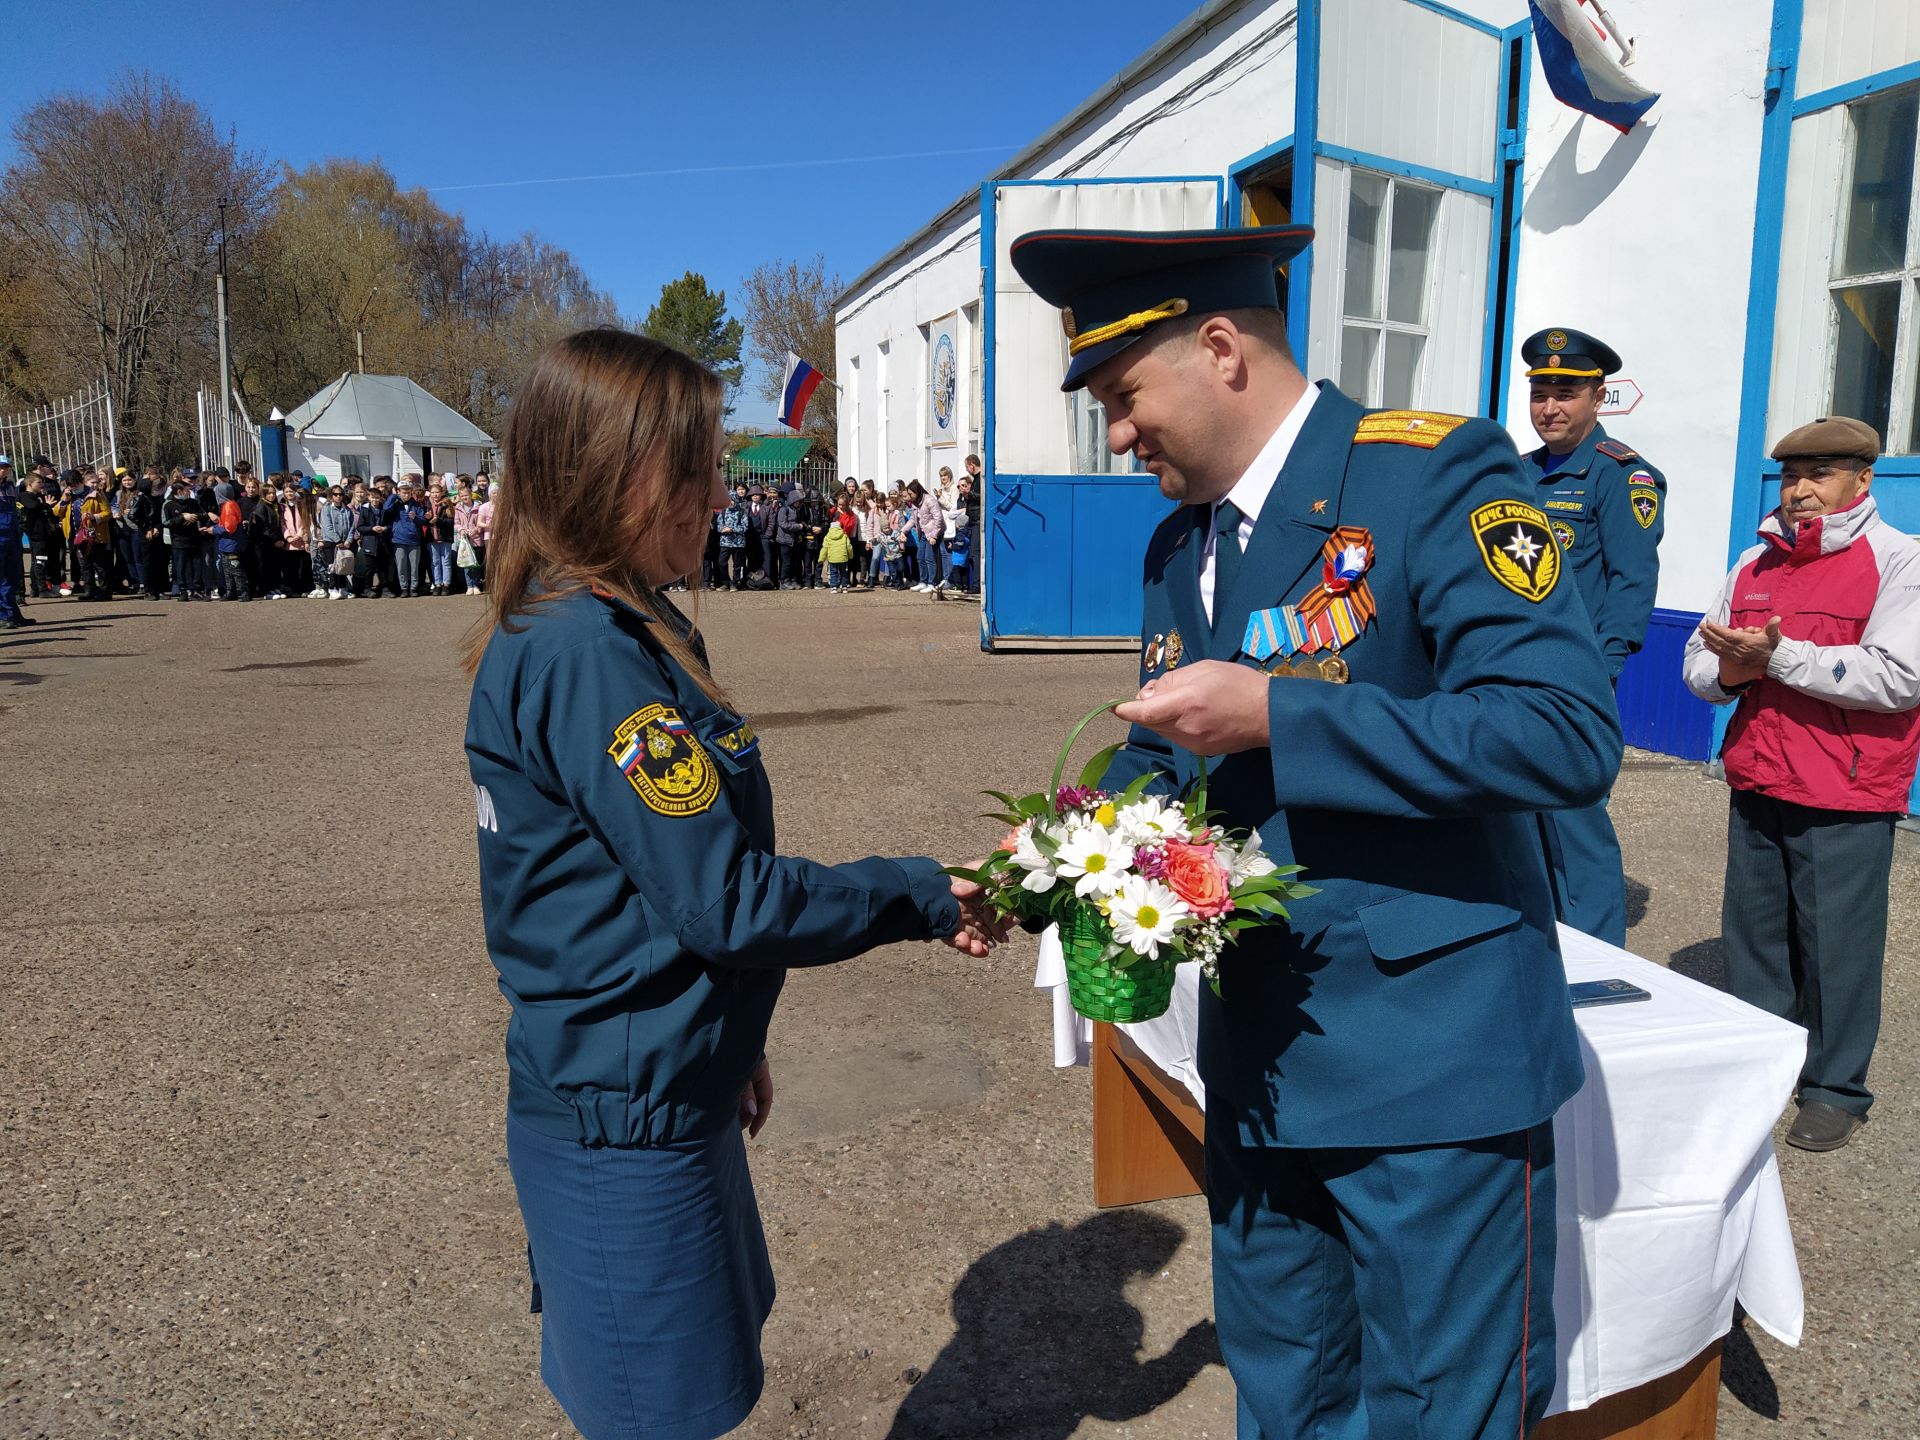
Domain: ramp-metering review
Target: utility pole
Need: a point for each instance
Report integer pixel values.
(220, 303)
(359, 354)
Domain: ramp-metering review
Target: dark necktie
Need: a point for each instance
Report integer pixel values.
(1226, 557)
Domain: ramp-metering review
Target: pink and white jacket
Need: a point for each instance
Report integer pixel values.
(1835, 722)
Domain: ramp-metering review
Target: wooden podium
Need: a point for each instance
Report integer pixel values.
(1148, 1145)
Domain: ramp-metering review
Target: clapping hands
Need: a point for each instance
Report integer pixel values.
(981, 927)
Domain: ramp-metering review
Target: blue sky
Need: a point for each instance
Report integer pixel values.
(474, 94)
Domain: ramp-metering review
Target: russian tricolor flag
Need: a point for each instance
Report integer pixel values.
(1581, 67)
(796, 389)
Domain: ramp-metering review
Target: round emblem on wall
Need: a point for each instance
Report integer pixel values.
(946, 382)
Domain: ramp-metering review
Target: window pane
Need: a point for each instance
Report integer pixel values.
(1402, 369)
(1364, 213)
(1414, 212)
(1357, 344)
(1877, 205)
(1863, 352)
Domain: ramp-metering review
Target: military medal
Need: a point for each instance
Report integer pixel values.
(1175, 649)
(1151, 652)
(1330, 615)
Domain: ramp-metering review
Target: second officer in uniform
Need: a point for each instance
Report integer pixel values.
(1606, 506)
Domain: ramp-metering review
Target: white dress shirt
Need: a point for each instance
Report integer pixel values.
(1251, 490)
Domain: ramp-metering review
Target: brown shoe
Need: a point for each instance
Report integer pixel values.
(1820, 1126)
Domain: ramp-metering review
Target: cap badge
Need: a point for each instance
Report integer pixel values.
(1068, 323)
(1556, 340)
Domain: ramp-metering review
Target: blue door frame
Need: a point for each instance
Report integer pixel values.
(1062, 553)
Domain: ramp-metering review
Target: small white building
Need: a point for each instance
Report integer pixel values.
(1752, 249)
(369, 425)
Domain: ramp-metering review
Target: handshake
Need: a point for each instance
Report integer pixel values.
(980, 927)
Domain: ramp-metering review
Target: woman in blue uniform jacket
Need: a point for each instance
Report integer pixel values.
(636, 909)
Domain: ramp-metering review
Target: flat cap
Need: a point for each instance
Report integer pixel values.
(1837, 437)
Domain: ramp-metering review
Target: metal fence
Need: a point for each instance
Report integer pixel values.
(241, 440)
(77, 431)
(817, 475)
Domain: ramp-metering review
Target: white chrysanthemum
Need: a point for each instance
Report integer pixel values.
(1246, 861)
(1094, 859)
(1040, 874)
(1148, 821)
(1145, 914)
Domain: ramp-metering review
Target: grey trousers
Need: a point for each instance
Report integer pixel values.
(1804, 923)
(406, 562)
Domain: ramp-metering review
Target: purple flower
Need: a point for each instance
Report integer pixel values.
(1150, 861)
(1070, 797)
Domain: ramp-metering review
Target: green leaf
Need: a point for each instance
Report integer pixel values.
(1138, 788)
(1095, 770)
(1060, 765)
(1045, 843)
(1001, 795)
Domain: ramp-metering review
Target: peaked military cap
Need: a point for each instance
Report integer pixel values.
(1112, 286)
(1563, 354)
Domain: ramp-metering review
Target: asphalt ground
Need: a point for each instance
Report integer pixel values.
(252, 1170)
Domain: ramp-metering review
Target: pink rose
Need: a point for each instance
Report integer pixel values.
(1195, 876)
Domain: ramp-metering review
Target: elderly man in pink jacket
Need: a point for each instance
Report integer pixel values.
(1816, 639)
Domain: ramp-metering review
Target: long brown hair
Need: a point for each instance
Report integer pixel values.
(610, 438)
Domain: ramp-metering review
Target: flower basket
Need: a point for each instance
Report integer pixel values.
(1137, 879)
(1103, 990)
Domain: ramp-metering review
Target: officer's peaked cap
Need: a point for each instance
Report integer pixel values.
(1568, 355)
(1113, 286)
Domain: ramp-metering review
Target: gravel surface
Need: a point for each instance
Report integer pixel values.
(252, 1170)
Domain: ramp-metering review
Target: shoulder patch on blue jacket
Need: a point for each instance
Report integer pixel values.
(1616, 450)
(657, 752)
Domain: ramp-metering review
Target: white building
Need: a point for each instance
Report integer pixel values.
(1751, 248)
(369, 425)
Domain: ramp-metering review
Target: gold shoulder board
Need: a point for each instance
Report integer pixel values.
(1425, 428)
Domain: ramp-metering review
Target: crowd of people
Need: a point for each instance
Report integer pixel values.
(234, 536)
(862, 538)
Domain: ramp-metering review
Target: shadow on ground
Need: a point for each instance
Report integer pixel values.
(1047, 1336)
(1744, 1375)
(1700, 961)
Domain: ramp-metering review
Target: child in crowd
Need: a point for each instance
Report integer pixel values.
(836, 553)
(466, 548)
(440, 535)
(333, 559)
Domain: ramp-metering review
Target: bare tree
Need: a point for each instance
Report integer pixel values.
(789, 306)
(110, 209)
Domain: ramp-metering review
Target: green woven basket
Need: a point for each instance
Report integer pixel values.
(1101, 990)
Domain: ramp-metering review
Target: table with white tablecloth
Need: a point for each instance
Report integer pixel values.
(1670, 1203)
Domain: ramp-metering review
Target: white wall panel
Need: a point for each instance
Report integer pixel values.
(1457, 306)
(1402, 81)
(1803, 317)
(1843, 40)
(1330, 194)
(1033, 426)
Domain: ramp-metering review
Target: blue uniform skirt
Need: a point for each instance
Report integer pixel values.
(651, 1277)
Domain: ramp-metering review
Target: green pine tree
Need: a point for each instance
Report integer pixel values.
(693, 318)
